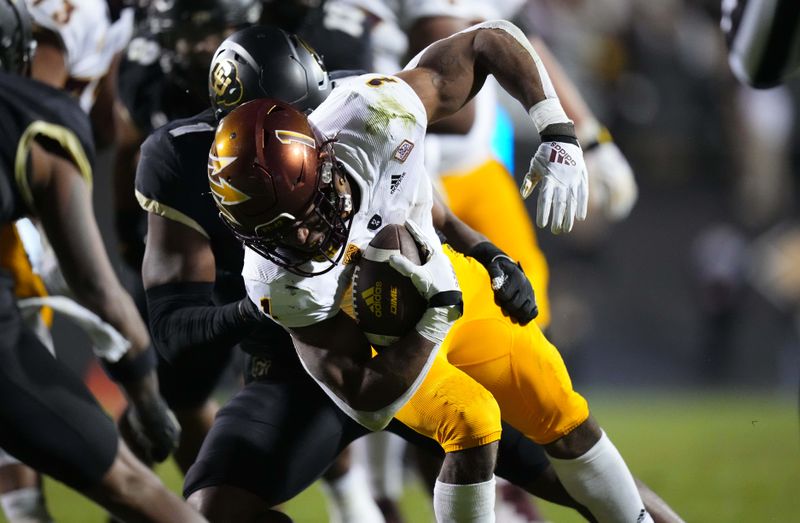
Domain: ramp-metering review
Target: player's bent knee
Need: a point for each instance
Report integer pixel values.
(127, 477)
(469, 424)
(226, 503)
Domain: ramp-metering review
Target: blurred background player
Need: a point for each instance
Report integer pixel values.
(162, 78)
(48, 166)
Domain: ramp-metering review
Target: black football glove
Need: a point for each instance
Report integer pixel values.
(513, 292)
(152, 431)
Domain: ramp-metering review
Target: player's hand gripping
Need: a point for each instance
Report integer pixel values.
(513, 292)
(435, 281)
(152, 430)
(559, 169)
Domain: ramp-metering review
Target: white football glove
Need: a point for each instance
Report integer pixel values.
(559, 168)
(612, 184)
(436, 281)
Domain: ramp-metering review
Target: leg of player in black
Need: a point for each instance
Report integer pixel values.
(51, 422)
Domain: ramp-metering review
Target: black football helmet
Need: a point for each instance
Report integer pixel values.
(266, 62)
(16, 38)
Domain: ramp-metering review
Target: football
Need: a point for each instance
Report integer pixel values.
(386, 303)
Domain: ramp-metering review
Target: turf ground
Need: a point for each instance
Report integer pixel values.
(730, 456)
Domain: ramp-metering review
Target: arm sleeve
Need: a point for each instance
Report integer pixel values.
(183, 318)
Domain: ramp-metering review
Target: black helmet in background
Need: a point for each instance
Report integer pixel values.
(266, 62)
(171, 20)
(189, 31)
(16, 38)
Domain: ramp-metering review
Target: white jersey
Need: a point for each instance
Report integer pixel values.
(90, 39)
(379, 123)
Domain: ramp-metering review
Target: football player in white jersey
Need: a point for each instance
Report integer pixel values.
(310, 193)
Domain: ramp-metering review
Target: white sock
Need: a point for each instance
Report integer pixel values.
(25, 505)
(473, 503)
(382, 454)
(349, 498)
(600, 481)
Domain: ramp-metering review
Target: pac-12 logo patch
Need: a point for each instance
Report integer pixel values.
(403, 150)
(225, 83)
(374, 222)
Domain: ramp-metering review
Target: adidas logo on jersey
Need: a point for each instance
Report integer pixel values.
(372, 297)
(395, 182)
(559, 155)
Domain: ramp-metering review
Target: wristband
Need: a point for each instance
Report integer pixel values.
(133, 368)
(546, 113)
(487, 252)
(560, 132)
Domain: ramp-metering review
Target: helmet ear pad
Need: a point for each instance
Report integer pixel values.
(266, 62)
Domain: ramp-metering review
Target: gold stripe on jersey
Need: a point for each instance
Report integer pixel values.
(160, 209)
(60, 134)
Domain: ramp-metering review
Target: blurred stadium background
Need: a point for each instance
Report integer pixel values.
(680, 324)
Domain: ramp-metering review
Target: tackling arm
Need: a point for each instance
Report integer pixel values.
(178, 274)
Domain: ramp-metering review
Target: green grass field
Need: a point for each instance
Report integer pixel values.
(715, 457)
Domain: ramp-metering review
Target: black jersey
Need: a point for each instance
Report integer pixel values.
(32, 110)
(172, 181)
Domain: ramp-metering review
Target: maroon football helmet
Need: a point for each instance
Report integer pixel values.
(272, 177)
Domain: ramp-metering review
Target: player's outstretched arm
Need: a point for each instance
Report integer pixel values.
(178, 273)
(612, 186)
(62, 202)
(450, 72)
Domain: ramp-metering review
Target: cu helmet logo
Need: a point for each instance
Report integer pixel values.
(226, 83)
